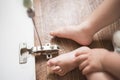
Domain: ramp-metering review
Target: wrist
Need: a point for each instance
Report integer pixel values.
(104, 60)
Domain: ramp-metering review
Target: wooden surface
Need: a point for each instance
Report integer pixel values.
(52, 14)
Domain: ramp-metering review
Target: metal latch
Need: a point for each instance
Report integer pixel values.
(48, 50)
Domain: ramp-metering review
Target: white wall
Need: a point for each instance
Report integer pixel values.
(15, 27)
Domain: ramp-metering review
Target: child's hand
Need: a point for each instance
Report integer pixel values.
(91, 60)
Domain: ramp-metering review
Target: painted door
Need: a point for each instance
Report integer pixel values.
(15, 27)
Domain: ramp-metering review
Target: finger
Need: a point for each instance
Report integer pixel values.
(82, 50)
(83, 65)
(81, 58)
(86, 70)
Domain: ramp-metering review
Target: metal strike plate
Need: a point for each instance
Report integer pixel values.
(48, 50)
(23, 53)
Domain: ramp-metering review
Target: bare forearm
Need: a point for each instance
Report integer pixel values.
(104, 15)
(111, 64)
